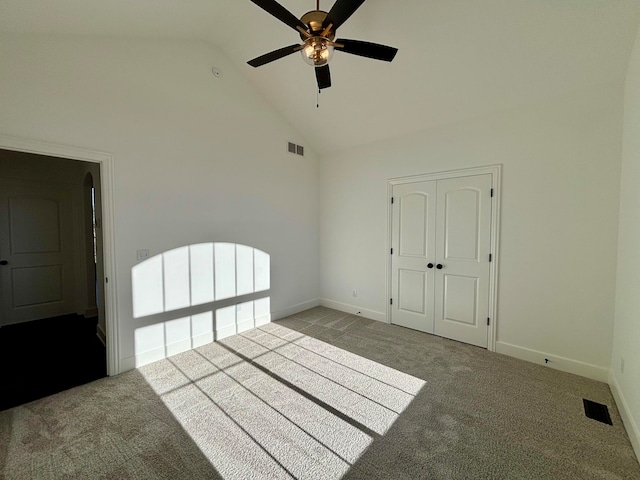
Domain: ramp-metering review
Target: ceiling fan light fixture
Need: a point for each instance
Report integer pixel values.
(317, 30)
(317, 51)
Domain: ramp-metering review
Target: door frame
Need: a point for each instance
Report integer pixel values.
(105, 161)
(496, 175)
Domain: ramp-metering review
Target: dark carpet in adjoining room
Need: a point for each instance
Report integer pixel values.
(47, 356)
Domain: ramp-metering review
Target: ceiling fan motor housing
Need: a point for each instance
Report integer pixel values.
(314, 21)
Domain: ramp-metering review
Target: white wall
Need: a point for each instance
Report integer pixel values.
(561, 172)
(196, 159)
(626, 342)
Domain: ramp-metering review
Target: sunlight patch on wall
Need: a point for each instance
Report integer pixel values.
(212, 287)
(290, 406)
(196, 275)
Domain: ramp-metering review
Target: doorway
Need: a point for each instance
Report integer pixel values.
(52, 309)
(443, 231)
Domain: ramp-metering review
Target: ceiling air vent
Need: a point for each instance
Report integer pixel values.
(297, 149)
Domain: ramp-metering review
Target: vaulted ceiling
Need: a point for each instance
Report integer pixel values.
(457, 59)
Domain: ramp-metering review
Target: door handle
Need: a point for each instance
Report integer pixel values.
(4, 262)
(429, 265)
(439, 266)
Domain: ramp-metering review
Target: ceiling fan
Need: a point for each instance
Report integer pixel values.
(318, 31)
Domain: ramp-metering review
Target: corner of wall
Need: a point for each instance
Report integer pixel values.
(293, 309)
(627, 418)
(627, 307)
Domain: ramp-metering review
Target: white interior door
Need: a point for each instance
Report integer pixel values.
(413, 244)
(463, 245)
(36, 238)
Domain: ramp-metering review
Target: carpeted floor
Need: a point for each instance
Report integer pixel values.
(47, 356)
(322, 394)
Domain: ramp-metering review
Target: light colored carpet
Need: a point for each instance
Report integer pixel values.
(322, 395)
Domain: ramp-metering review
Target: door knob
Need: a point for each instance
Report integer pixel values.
(439, 266)
(429, 265)
(4, 262)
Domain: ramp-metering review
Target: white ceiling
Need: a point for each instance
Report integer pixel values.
(457, 59)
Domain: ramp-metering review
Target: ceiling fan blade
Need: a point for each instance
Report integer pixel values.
(366, 49)
(275, 55)
(281, 13)
(323, 76)
(340, 12)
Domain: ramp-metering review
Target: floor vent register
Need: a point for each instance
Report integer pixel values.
(597, 411)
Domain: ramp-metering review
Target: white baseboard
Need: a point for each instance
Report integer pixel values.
(354, 310)
(174, 348)
(241, 327)
(577, 367)
(202, 339)
(293, 309)
(156, 354)
(625, 412)
(126, 364)
(151, 356)
(178, 347)
(263, 320)
(245, 326)
(225, 332)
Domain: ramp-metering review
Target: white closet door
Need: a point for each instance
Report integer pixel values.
(463, 227)
(413, 243)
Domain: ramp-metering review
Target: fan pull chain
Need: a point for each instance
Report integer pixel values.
(318, 99)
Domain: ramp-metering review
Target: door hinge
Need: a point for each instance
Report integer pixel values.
(391, 301)
(490, 257)
(392, 200)
(488, 321)
(492, 193)
(392, 251)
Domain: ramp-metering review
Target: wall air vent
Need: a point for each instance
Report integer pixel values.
(296, 149)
